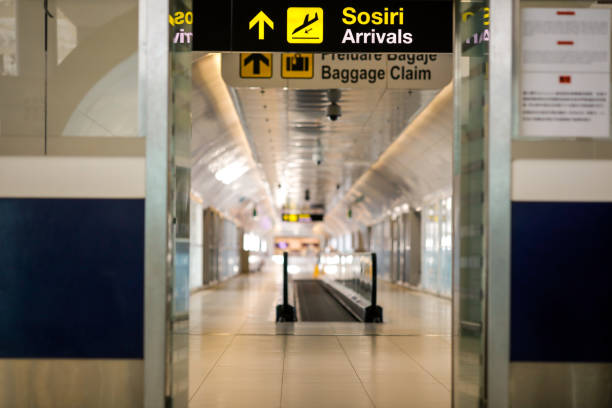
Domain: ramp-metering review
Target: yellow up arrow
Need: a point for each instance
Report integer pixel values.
(261, 19)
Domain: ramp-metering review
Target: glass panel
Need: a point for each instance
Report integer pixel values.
(22, 70)
(8, 38)
(196, 244)
(351, 270)
(385, 264)
(180, 123)
(92, 70)
(229, 251)
(437, 251)
(66, 36)
(446, 246)
(471, 110)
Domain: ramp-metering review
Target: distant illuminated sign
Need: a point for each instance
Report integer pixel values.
(303, 217)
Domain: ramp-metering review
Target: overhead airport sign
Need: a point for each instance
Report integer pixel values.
(327, 71)
(324, 26)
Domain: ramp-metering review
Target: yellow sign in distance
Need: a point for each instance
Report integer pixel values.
(290, 217)
(297, 217)
(255, 65)
(304, 25)
(296, 65)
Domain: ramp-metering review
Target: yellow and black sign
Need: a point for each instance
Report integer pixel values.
(355, 26)
(296, 65)
(255, 65)
(303, 217)
(304, 25)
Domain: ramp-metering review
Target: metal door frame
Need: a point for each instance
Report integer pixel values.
(154, 103)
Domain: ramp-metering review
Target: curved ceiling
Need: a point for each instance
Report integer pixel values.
(416, 165)
(300, 149)
(224, 174)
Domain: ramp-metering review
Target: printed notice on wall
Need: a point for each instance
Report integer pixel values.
(565, 72)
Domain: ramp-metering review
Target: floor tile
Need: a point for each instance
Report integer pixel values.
(239, 357)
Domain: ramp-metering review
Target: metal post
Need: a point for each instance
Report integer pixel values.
(285, 279)
(374, 279)
(153, 89)
(374, 313)
(285, 312)
(503, 84)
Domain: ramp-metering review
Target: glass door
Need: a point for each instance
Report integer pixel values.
(469, 179)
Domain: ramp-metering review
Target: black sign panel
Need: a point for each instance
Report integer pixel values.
(324, 26)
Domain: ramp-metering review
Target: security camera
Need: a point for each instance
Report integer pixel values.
(334, 111)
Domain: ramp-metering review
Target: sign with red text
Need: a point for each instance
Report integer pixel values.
(565, 72)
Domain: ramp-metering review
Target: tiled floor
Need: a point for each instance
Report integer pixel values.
(239, 357)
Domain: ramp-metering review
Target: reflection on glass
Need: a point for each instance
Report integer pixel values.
(22, 78)
(180, 120)
(471, 109)
(351, 270)
(107, 108)
(93, 70)
(437, 252)
(8, 38)
(66, 36)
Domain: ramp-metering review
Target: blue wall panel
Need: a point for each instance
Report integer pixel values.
(561, 282)
(72, 278)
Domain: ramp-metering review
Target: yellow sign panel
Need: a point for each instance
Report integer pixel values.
(304, 25)
(256, 65)
(297, 217)
(290, 217)
(296, 65)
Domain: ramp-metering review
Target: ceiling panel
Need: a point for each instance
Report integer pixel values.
(300, 149)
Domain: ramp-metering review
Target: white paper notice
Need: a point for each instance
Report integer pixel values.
(565, 73)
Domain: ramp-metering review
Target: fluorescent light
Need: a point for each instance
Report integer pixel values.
(231, 172)
(250, 242)
(331, 269)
